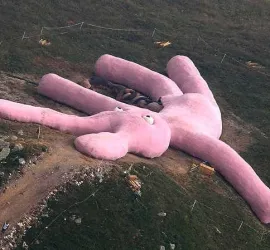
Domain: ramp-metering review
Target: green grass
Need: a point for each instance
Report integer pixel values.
(114, 218)
(10, 166)
(238, 28)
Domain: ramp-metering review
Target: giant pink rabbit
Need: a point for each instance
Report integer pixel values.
(190, 121)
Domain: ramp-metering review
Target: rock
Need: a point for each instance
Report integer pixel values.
(172, 246)
(22, 161)
(24, 245)
(162, 248)
(17, 147)
(162, 214)
(4, 144)
(20, 132)
(14, 138)
(78, 221)
(4, 153)
(34, 160)
(4, 137)
(20, 225)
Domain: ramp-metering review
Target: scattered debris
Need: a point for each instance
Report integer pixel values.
(194, 166)
(44, 42)
(14, 138)
(78, 183)
(17, 147)
(5, 227)
(4, 144)
(172, 246)
(34, 160)
(20, 132)
(254, 65)
(78, 221)
(4, 153)
(45, 215)
(100, 175)
(163, 44)
(207, 170)
(86, 173)
(217, 230)
(22, 161)
(20, 224)
(134, 184)
(17, 232)
(127, 172)
(162, 214)
(24, 245)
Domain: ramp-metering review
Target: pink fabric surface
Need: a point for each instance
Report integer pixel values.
(137, 135)
(235, 169)
(190, 122)
(195, 122)
(78, 97)
(188, 78)
(144, 80)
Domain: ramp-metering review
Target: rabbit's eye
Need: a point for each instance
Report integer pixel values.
(118, 109)
(149, 119)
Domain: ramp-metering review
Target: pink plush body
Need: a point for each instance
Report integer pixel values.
(195, 122)
(107, 135)
(190, 121)
(135, 76)
(64, 91)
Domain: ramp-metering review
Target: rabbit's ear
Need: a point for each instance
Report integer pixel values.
(107, 146)
(136, 77)
(78, 97)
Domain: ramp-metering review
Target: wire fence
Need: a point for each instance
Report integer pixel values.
(193, 203)
(82, 25)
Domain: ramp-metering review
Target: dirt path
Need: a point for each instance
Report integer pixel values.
(25, 193)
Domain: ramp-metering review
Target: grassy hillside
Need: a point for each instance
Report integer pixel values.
(204, 30)
(108, 215)
(238, 28)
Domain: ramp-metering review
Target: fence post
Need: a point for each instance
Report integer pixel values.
(23, 35)
(154, 32)
(81, 25)
(223, 58)
(240, 226)
(193, 205)
(41, 32)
